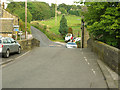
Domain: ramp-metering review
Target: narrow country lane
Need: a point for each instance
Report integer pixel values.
(48, 67)
(44, 41)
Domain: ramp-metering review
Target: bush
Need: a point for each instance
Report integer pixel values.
(49, 34)
(70, 30)
(78, 44)
(63, 26)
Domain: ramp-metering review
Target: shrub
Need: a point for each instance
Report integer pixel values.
(78, 44)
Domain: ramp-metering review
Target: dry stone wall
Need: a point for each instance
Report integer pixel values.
(108, 54)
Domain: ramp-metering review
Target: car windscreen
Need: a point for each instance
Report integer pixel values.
(72, 43)
(0, 41)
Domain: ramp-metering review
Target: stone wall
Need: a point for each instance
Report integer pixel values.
(6, 25)
(6, 14)
(29, 44)
(108, 54)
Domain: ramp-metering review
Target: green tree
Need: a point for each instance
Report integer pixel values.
(52, 10)
(39, 10)
(102, 21)
(63, 10)
(21, 13)
(63, 26)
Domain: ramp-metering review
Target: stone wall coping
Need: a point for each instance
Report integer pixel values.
(108, 46)
(25, 39)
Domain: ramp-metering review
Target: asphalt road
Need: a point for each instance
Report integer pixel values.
(44, 41)
(51, 67)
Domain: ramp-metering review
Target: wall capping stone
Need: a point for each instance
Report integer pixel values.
(108, 54)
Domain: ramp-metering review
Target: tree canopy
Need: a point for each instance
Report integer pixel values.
(63, 26)
(103, 21)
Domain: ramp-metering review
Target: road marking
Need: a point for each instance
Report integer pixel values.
(14, 59)
(51, 45)
(84, 57)
(6, 61)
(93, 71)
(88, 63)
(22, 55)
(86, 60)
(58, 45)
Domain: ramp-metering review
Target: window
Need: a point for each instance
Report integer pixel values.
(8, 40)
(12, 40)
(4, 41)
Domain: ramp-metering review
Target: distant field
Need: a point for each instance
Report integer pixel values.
(72, 21)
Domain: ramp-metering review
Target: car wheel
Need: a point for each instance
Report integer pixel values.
(7, 54)
(19, 50)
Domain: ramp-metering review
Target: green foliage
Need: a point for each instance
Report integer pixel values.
(103, 22)
(21, 13)
(63, 26)
(78, 44)
(63, 10)
(70, 9)
(14, 6)
(39, 10)
(70, 30)
(52, 10)
(36, 10)
(49, 34)
(75, 25)
(22, 26)
(74, 12)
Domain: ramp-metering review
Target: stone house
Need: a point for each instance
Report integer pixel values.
(7, 23)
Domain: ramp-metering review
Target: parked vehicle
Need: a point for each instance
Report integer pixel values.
(68, 37)
(76, 39)
(9, 45)
(71, 45)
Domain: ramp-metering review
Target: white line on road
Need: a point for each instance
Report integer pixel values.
(22, 55)
(86, 60)
(14, 59)
(93, 71)
(88, 63)
(6, 61)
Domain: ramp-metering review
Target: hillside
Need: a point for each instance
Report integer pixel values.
(72, 21)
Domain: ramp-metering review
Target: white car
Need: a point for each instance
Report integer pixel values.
(68, 37)
(9, 45)
(71, 45)
(77, 39)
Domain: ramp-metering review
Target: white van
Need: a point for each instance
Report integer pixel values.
(68, 37)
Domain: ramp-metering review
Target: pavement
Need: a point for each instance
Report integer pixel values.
(54, 66)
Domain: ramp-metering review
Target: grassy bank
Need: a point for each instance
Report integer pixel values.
(52, 30)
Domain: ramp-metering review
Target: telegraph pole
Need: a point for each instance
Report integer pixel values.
(26, 19)
(55, 12)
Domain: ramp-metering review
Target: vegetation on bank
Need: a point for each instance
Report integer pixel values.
(52, 29)
(40, 11)
(103, 22)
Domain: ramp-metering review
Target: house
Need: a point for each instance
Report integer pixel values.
(7, 23)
